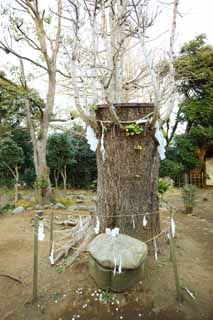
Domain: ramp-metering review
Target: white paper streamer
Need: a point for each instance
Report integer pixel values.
(102, 143)
(155, 247)
(108, 231)
(120, 265)
(161, 140)
(97, 227)
(81, 223)
(114, 271)
(144, 220)
(133, 222)
(173, 227)
(51, 257)
(41, 234)
(190, 293)
(91, 138)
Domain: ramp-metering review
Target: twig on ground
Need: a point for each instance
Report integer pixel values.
(11, 277)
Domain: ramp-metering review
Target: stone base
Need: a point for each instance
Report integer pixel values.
(105, 279)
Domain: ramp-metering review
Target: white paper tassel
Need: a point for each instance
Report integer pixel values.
(51, 257)
(114, 271)
(190, 293)
(102, 143)
(173, 227)
(145, 220)
(41, 234)
(120, 265)
(156, 251)
(161, 140)
(133, 222)
(91, 138)
(97, 227)
(81, 223)
(108, 231)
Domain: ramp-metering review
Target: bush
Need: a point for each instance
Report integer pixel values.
(66, 201)
(189, 194)
(163, 186)
(26, 203)
(171, 168)
(7, 207)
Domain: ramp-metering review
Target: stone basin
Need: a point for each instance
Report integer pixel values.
(105, 249)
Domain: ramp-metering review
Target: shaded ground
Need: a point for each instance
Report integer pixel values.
(72, 294)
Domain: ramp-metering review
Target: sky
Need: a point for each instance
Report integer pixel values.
(195, 18)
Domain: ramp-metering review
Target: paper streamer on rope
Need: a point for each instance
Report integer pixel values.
(102, 143)
(81, 223)
(120, 265)
(190, 293)
(112, 232)
(173, 227)
(145, 220)
(133, 222)
(91, 138)
(155, 247)
(115, 262)
(108, 231)
(161, 140)
(41, 234)
(51, 257)
(97, 227)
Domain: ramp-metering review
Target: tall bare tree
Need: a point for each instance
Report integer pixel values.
(36, 42)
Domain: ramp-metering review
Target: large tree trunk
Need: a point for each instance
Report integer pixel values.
(128, 177)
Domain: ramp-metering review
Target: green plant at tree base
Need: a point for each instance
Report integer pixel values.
(189, 194)
(106, 296)
(59, 268)
(134, 129)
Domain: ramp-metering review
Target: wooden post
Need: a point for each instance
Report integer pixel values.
(51, 230)
(174, 263)
(35, 261)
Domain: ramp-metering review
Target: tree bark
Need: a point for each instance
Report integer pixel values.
(56, 177)
(17, 183)
(128, 177)
(64, 177)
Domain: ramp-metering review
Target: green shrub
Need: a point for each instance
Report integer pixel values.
(171, 168)
(66, 201)
(26, 203)
(7, 207)
(189, 195)
(163, 186)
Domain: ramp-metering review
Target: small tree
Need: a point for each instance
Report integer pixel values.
(11, 158)
(60, 156)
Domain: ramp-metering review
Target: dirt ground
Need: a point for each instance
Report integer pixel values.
(72, 294)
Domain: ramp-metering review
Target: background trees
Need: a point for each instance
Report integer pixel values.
(194, 78)
(11, 158)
